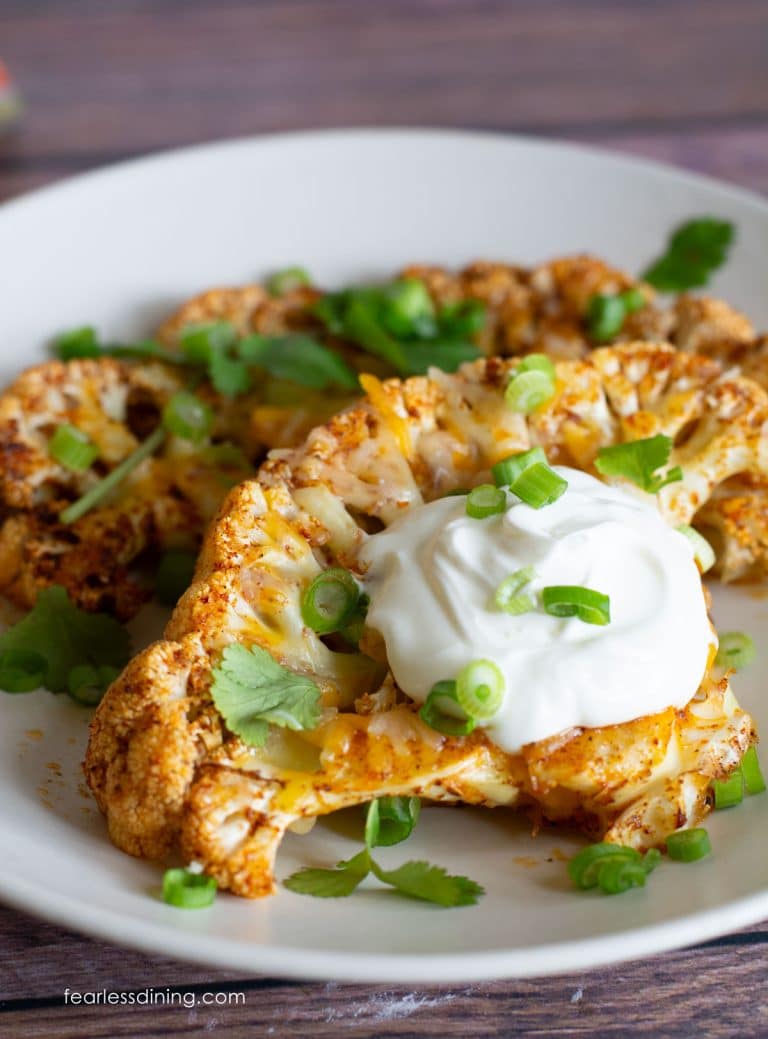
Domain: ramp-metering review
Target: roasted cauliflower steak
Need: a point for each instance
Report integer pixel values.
(168, 774)
(164, 503)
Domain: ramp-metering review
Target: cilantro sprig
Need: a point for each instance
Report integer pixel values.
(694, 251)
(389, 820)
(252, 691)
(57, 642)
(399, 323)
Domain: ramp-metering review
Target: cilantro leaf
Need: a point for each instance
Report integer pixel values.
(300, 359)
(390, 820)
(228, 376)
(430, 883)
(251, 690)
(695, 250)
(331, 883)
(444, 354)
(200, 341)
(67, 637)
(638, 461)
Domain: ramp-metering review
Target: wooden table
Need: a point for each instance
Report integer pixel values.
(684, 80)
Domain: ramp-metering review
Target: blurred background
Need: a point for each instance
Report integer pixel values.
(102, 80)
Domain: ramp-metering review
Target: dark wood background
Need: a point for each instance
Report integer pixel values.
(681, 80)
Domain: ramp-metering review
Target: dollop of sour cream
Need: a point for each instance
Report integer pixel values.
(432, 575)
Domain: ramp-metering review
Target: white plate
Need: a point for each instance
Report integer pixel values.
(120, 248)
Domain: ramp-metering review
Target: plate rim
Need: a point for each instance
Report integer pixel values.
(295, 963)
(274, 960)
(343, 133)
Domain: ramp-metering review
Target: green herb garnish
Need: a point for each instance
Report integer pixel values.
(101, 489)
(287, 280)
(72, 448)
(251, 691)
(442, 712)
(735, 650)
(388, 821)
(228, 376)
(611, 867)
(77, 343)
(606, 314)
(329, 601)
(65, 638)
(186, 889)
(695, 250)
(398, 323)
(88, 684)
(174, 575)
(589, 606)
(298, 359)
(639, 461)
(689, 845)
(188, 417)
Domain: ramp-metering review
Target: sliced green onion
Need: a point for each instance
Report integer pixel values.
(407, 308)
(736, 650)
(330, 600)
(506, 593)
(485, 500)
(605, 316)
(77, 343)
(111, 480)
(537, 363)
(87, 684)
(753, 777)
(480, 689)
(619, 875)
(199, 342)
(72, 448)
(651, 859)
(353, 627)
(584, 868)
(633, 300)
(611, 867)
(517, 605)
(703, 552)
(688, 845)
(285, 281)
(729, 791)
(508, 469)
(187, 890)
(22, 670)
(574, 601)
(174, 575)
(539, 485)
(441, 711)
(527, 390)
(638, 461)
(186, 416)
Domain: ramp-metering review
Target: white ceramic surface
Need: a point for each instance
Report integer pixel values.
(121, 247)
